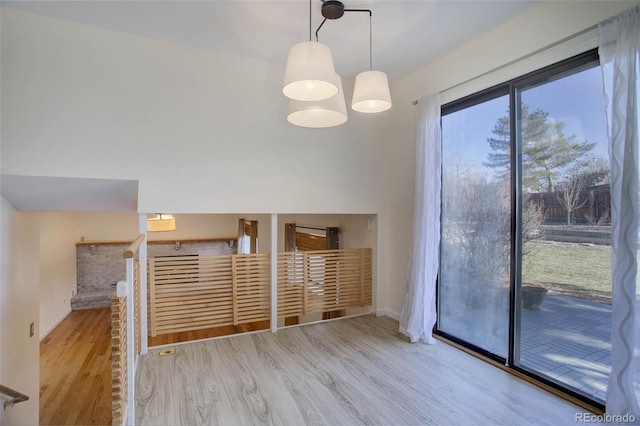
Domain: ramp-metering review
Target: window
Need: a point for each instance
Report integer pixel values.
(525, 251)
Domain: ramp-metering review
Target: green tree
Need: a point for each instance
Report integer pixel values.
(547, 152)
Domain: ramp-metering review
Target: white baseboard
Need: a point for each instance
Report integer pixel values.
(388, 313)
(42, 336)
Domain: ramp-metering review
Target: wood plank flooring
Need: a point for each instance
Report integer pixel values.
(75, 370)
(349, 371)
(187, 336)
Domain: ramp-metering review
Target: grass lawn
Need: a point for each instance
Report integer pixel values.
(572, 269)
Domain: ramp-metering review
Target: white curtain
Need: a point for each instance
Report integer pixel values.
(619, 50)
(244, 241)
(418, 314)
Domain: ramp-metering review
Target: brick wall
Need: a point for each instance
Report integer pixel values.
(101, 266)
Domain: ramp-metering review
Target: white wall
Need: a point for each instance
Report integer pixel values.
(539, 27)
(353, 227)
(203, 132)
(107, 226)
(58, 237)
(19, 285)
(123, 226)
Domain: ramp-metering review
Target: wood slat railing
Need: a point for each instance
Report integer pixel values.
(126, 337)
(197, 292)
(323, 280)
(118, 359)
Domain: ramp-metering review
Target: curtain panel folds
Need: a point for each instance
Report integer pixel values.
(619, 47)
(418, 314)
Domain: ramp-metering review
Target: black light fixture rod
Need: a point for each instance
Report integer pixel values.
(310, 22)
(370, 33)
(358, 10)
(340, 15)
(323, 21)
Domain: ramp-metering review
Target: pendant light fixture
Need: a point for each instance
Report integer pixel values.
(310, 73)
(307, 84)
(161, 222)
(371, 90)
(316, 114)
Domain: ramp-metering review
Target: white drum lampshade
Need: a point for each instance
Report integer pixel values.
(371, 92)
(309, 75)
(317, 114)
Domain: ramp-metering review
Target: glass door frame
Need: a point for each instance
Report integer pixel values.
(514, 88)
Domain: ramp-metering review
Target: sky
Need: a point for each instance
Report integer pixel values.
(576, 100)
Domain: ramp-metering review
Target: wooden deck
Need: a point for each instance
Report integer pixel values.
(569, 341)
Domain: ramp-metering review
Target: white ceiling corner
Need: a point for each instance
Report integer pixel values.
(42, 193)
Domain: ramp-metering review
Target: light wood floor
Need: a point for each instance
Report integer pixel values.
(75, 370)
(187, 336)
(349, 371)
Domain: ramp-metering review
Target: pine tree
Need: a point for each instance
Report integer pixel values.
(547, 153)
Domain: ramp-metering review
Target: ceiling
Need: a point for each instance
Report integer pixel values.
(406, 34)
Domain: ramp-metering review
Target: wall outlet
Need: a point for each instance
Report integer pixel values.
(32, 329)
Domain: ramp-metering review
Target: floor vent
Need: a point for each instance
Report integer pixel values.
(168, 352)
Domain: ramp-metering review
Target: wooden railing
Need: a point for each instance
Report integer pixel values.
(126, 337)
(198, 292)
(118, 359)
(324, 280)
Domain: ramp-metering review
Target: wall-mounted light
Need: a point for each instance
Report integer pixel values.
(161, 222)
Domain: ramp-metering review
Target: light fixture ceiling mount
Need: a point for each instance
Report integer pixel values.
(332, 9)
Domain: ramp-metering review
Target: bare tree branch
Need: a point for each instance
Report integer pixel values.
(569, 198)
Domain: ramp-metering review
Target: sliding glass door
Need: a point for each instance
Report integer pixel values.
(476, 221)
(525, 254)
(565, 322)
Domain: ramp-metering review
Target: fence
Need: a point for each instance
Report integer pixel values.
(594, 206)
